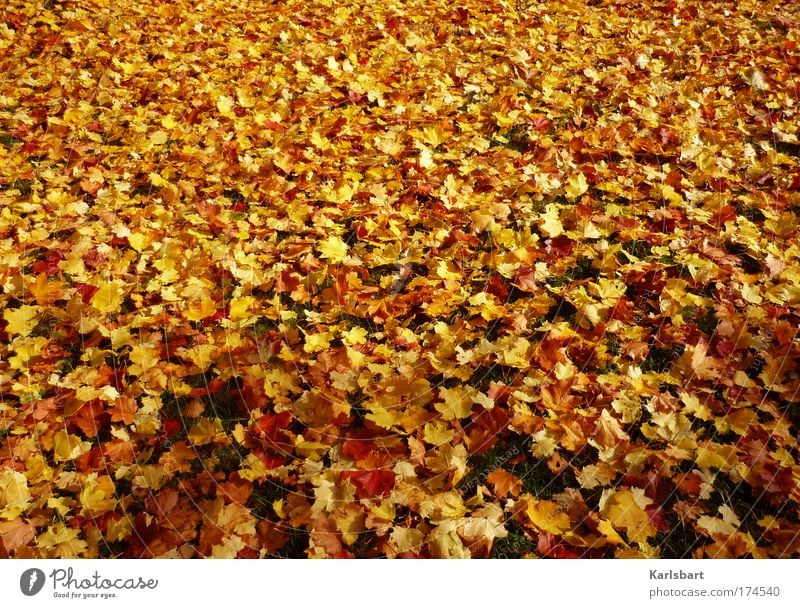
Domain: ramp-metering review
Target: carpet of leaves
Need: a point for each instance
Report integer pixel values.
(407, 279)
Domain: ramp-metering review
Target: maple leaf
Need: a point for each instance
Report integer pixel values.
(370, 484)
(206, 431)
(550, 224)
(576, 186)
(547, 516)
(15, 496)
(68, 447)
(481, 528)
(625, 510)
(455, 403)
(504, 483)
(98, 494)
(109, 296)
(15, 533)
(22, 320)
(61, 541)
(334, 249)
(46, 292)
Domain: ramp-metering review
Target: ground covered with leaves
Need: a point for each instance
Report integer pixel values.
(407, 279)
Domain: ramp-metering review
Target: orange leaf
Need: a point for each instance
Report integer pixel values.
(504, 483)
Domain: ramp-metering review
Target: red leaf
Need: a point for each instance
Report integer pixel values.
(212, 388)
(358, 449)
(271, 461)
(496, 287)
(86, 291)
(549, 546)
(560, 246)
(542, 123)
(370, 484)
(171, 426)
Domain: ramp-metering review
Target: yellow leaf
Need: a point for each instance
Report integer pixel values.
(315, 343)
(37, 469)
(517, 355)
(356, 335)
(109, 297)
(320, 141)
(406, 539)
(14, 494)
(505, 119)
(443, 506)
(456, 403)
(576, 185)
(22, 320)
(239, 308)
(254, 468)
(487, 304)
(434, 136)
(159, 137)
(437, 433)
(350, 523)
(546, 515)
(168, 122)
(593, 475)
(207, 431)
(425, 157)
(225, 106)
(59, 540)
(482, 527)
(197, 310)
(143, 357)
(590, 231)
(246, 100)
(550, 224)
(129, 69)
(121, 336)
(608, 291)
(782, 226)
(729, 515)
(118, 529)
(158, 181)
(98, 494)
(693, 406)
(715, 525)
(201, 355)
(381, 416)
(151, 477)
(310, 449)
(723, 457)
(61, 504)
(138, 241)
(750, 294)
(26, 349)
(334, 249)
(624, 509)
(357, 360)
(607, 530)
(68, 447)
